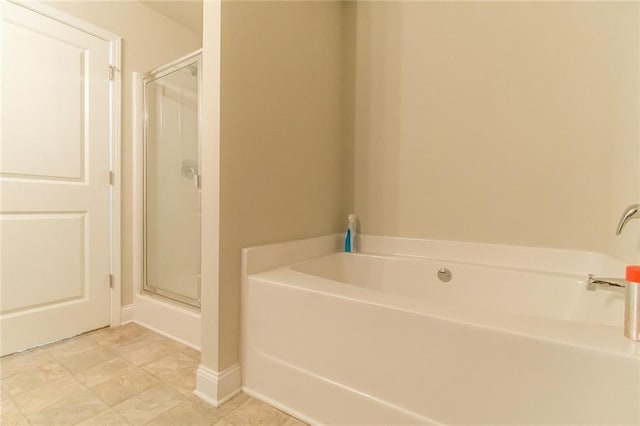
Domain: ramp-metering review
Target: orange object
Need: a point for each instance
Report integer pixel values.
(633, 274)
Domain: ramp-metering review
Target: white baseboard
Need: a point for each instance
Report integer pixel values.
(169, 319)
(217, 388)
(126, 314)
(169, 335)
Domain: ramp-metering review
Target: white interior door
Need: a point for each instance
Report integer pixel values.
(54, 181)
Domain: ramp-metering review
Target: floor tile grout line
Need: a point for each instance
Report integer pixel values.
(81, 382)
(95, 415)
(132, 396)
(58, 400)
(66, 368)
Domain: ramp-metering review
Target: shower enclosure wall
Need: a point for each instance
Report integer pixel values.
(172, 181)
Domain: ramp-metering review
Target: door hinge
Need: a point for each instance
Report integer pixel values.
(112, 178)
(112, 72)
(110, 280)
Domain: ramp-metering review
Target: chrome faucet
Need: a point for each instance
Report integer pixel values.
(611, 284)
(631, 290)
(632, 212)
(631, 301)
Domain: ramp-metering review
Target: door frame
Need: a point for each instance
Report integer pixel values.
(115, 136)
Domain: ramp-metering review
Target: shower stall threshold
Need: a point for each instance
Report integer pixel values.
(172, 319)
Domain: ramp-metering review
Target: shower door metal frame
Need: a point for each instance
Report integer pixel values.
(149, 77)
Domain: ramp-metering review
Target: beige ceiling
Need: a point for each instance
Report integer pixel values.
(187, 13)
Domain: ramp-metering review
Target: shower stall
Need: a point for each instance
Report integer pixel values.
(167, 199)
(172, 181)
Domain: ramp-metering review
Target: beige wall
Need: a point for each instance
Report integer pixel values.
(499, 122)
(283, 158)
(149, 39)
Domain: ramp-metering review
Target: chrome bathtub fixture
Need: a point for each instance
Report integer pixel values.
(631, 301)
(632, 312)
(444, 275)
(611, 284)
(632, 212)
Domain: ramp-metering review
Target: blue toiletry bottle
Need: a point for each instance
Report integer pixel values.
(349, 237)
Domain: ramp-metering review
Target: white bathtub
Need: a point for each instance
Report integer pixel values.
(370, 339)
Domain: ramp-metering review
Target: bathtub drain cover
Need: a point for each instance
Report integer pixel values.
(444, 275)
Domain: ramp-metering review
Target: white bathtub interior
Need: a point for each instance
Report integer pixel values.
(497, 289)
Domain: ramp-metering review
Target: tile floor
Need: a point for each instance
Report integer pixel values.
(125, 376)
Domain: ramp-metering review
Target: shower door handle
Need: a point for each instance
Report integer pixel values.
(189, 170)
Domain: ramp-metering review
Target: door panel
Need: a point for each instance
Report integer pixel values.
(42, 262)
(31, 72)
(54, 168)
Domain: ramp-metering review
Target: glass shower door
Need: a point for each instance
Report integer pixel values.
(172, 181)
